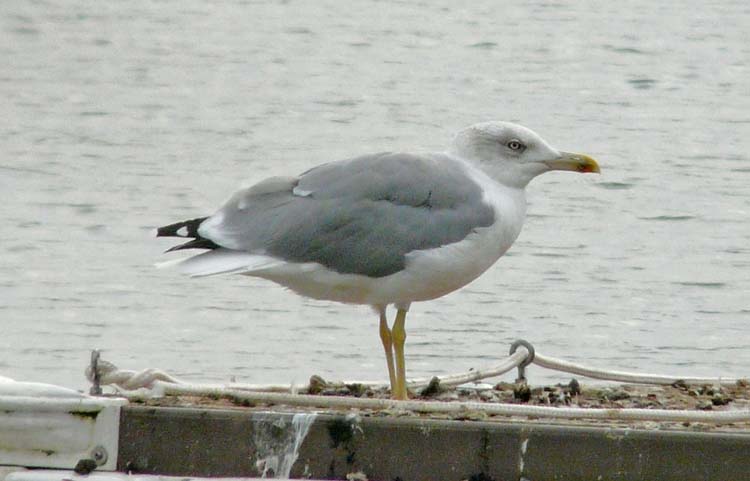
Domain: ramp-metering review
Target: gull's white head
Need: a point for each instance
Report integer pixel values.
(513, 155)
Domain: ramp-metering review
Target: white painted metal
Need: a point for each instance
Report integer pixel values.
(42, 425)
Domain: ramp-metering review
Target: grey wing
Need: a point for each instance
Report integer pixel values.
(358, 216)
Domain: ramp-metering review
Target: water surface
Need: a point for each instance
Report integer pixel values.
(118, 117)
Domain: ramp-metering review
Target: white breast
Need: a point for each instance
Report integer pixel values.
(435, 272)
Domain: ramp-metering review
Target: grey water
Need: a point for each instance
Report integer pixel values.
(118, 117)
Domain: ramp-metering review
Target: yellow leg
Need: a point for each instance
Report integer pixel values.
(399, 337)
(387, 339)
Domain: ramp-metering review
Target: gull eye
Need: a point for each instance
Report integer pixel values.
(515, 144)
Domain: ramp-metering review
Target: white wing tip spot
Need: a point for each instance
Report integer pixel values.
(301, 192)
(182, 231)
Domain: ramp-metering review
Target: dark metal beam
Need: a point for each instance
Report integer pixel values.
(231, 442)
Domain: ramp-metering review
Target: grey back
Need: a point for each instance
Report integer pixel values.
(357, 216)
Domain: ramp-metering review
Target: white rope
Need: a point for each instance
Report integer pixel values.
(109, 374)
(129, 380)
(435, 407)
(623, 376)
(154, 382)
(509, 363)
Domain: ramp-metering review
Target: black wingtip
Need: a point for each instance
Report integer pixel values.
(174, 230)
(187, 229)
(194, 244)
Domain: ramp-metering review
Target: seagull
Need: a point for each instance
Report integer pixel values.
(390, 228)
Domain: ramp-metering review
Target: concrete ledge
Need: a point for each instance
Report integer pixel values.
(235, 442)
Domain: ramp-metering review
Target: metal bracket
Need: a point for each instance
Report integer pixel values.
(96, 388)
(529, 358)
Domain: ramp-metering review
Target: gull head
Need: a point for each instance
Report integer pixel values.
(513, 154)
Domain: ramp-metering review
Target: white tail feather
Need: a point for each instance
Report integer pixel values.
(222, 261)
(169, 264)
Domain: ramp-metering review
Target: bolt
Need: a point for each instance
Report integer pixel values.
(100, 455)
